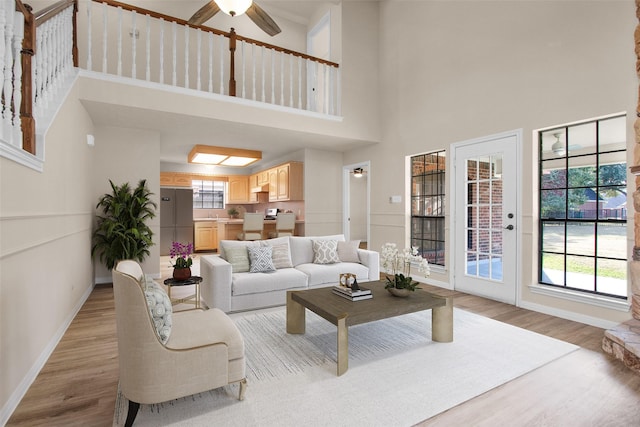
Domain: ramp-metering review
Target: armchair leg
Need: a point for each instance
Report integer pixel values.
(243, 388)
(133, 412)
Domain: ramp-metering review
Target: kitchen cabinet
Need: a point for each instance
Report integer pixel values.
(238, 189)
(263, 178)
(286, 182)
(175, 179)
(253, 182)
(206, 235)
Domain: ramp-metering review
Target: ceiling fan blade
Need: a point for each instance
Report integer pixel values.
(205, 13)
(262, 19)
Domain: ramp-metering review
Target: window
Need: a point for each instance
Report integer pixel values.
(583, 210)
(208, 194)
(427, 205)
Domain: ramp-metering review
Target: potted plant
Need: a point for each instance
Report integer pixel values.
(399, 262)
(122, 232)
(182, 265)
(233, 212)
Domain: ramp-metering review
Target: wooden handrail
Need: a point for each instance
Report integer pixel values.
(49, 12)
(168, 18)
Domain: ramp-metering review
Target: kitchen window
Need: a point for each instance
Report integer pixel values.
(427, 205)
(583, 207)
(208, 194)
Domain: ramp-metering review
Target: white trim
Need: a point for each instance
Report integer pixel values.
(346, 193)
(569, 315)
(18, 155)
(581, 297)
(30, 377)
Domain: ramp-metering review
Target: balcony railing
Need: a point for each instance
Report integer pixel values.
(39, 50)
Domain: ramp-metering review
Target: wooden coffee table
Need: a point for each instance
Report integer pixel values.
(344, 313)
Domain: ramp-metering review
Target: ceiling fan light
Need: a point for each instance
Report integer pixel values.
(234, 7)
(558, 148)
(358, 172)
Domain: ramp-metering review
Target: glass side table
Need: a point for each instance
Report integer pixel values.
(193, 299)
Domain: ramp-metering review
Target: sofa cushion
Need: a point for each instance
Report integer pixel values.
(348, 251)
(302, 247)
(160, 309)
(322, 274)
(282, 279)
(238, 257)
(281, 253)
(260, 259)
(325, 251)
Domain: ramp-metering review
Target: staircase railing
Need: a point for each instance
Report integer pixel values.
(130, 41)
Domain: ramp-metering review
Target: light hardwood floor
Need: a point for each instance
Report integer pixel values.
(77, 386)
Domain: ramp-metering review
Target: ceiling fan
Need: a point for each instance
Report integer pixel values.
(236, 8)
(560, 148)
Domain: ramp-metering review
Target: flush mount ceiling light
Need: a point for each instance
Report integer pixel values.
(223, 156)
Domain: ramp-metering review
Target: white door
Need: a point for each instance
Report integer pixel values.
(486, 220)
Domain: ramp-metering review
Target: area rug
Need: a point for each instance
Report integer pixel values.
(397, 376)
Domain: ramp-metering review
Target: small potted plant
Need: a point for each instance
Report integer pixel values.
(183, 262)
(233, 212)
(399, 262)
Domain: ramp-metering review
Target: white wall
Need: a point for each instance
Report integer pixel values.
(45, 266)
(323, 192)
(129, 155)
(454, 71)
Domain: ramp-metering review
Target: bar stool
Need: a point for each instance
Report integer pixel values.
(285, 225)
(252, 227)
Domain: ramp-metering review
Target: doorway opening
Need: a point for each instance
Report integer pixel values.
(356, 202)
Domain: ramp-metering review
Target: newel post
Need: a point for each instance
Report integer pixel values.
(232, 62)
(26, 105)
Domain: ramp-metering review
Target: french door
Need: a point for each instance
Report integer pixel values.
(486, 232)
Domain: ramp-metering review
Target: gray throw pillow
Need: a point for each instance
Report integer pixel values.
(260, 258)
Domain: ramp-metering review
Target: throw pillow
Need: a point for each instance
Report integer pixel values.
(238, 257)
(261, 260)
(348, 251)
(281, 254)
(160, 310)
(325, 252)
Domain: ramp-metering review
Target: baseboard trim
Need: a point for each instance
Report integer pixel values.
(569, 315)
(30, 377)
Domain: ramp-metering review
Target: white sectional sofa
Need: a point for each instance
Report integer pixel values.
(299, 262)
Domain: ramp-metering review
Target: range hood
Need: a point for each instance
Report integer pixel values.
(260, 189)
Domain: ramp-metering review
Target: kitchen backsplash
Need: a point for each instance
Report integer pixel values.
(296, 207)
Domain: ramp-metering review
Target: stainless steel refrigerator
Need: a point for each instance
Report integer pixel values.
(176, 217)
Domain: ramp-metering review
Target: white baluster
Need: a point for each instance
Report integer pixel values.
(174, 29)
(291, 80)
(339, 92)
(299, 83)
(148, 54)
(253, 63)
(243, 68)
(186, 56)
(210, 37)
(134, 43)
(263, 73)
(119, 69)
(281, 78)
(273, 77)
(161, 56)
(17, 72)
(309, 83)
(199, 58)
(89, 38)
(221, 38)
(105, 27)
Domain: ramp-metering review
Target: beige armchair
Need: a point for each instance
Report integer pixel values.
(252, 227)
(204, 349)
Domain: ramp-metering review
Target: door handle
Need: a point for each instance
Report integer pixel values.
(509, 227)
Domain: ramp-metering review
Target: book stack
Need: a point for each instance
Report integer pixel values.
(348, 293)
